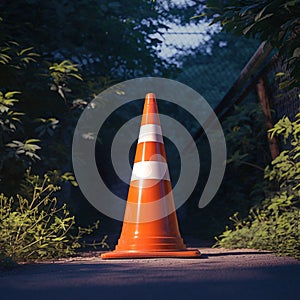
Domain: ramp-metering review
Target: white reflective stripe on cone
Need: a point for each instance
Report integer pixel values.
(150, 128)
(150, 170)
(150, 133)
(151, 137)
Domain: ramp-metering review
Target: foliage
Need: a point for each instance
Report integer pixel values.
(246, 139)
(242, 185)
(55, 56)
(106, 38)
(16, 148)
(47, 126)
(18, 144)
(217, 69)
(36, 227)
(33, 223)
(247, 155)
(275, 225)
(25, 148)
(58, 76)
(285, 169)
(276, 22)
(16, 57)
(263, 231)
(21, 153)
(7, 101)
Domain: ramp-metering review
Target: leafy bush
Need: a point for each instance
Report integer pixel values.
(36, 227)
(266, 231)
(33, 223)
(275, 225)
(275, 22)
(247, 158)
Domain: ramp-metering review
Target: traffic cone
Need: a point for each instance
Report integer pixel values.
(150, 227)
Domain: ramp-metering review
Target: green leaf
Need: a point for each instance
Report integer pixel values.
(76, 76)
(259, 15)
(266, 17)
(23, 51)
(9, 95)
(32, 141)
(248, 28)
(296, 52)
(198, 16)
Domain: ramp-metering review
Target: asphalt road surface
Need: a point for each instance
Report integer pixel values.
(219, 274)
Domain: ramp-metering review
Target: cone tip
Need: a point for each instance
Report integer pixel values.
(150, 97)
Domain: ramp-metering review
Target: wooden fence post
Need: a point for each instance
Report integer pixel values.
(265, 105)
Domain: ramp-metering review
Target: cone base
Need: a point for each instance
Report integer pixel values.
(188, 253)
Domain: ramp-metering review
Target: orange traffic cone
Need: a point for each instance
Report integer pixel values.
(150, 227)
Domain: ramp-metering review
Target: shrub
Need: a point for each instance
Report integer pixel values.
(265, 231)
(275, 225)
(36, 227)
